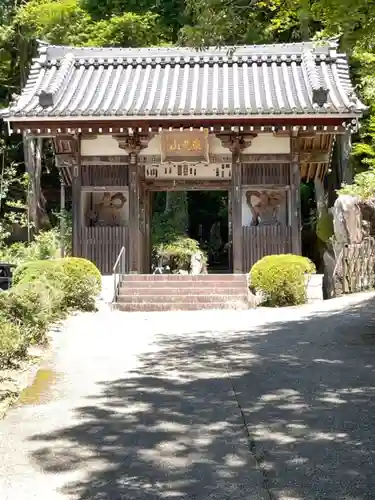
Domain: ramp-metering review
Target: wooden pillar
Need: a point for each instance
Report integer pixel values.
(236, 203)
(295, 179)
(145, 227)
(134, 243)
(142, 220)
(230, 235)
(133, 144)
(76, 200)
(62, 218)
(236, 143)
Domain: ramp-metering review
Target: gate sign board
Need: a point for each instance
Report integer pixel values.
(184, 145)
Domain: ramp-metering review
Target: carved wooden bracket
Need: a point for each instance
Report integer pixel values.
(133, 143)
(65, 145)
(236, 143)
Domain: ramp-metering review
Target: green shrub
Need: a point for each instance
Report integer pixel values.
(177, 253)
(49, 270)
(80, 268)
(13, 344)
(44, 246)
(282, 279)
(32, 306)
(82, 283)
(324, 227)
(42, 292)
(79, 280)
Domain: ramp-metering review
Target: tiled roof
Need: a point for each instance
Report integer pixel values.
(181, 82)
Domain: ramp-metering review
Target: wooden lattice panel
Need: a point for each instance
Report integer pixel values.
(268, 173)
(105, 175)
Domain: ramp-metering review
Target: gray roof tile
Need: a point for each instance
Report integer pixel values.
(162, 82)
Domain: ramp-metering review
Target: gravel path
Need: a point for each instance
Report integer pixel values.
(260, 404)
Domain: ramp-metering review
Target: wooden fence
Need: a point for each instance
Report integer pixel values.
(259, 241)
(355, 268)
(102, 246)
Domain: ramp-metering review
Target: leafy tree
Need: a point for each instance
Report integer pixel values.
(170, 12)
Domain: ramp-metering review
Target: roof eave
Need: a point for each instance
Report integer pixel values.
(191, 118)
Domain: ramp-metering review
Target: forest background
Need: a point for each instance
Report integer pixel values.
(198, 23)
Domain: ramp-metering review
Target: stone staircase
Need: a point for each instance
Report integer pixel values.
(175, 292)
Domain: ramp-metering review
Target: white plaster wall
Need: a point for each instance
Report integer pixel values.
(215, 146)
(153, 147)
(103, 145)
(268, 144)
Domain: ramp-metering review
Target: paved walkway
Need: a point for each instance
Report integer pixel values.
(152, 406)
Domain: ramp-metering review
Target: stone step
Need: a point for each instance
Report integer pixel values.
(180, 292)
(240, 278)
(185, 299)
(175, 285)
(178, 306)
(128, 289)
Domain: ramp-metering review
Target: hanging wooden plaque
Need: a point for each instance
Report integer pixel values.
(184, 146)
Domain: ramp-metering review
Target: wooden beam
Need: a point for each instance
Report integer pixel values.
(185, 185)
(271, 123)
(313, 156)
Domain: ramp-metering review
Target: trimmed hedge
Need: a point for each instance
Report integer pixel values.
(79, 280)
(82, 284)
(282, 279)
(43, 291)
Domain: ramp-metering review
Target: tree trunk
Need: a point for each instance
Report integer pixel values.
(304, 19)
(36, 200)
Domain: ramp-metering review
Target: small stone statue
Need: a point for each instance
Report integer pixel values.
(197, 264)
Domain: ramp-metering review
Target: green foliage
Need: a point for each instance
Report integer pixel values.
(170, 12)
(43, 291)
(128, 30)
(50, 270)
(44, 246)
(282, 279)
(66, 218)
(169, 227)
(363, 185)
(171, 218)
(66, 22)
(57, 21)
(324, 227)
(82, 283)
(78, 280)
(32, 306)
(13, 344)
(177, 252)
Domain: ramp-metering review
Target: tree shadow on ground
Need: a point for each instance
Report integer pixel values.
(173, 428)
